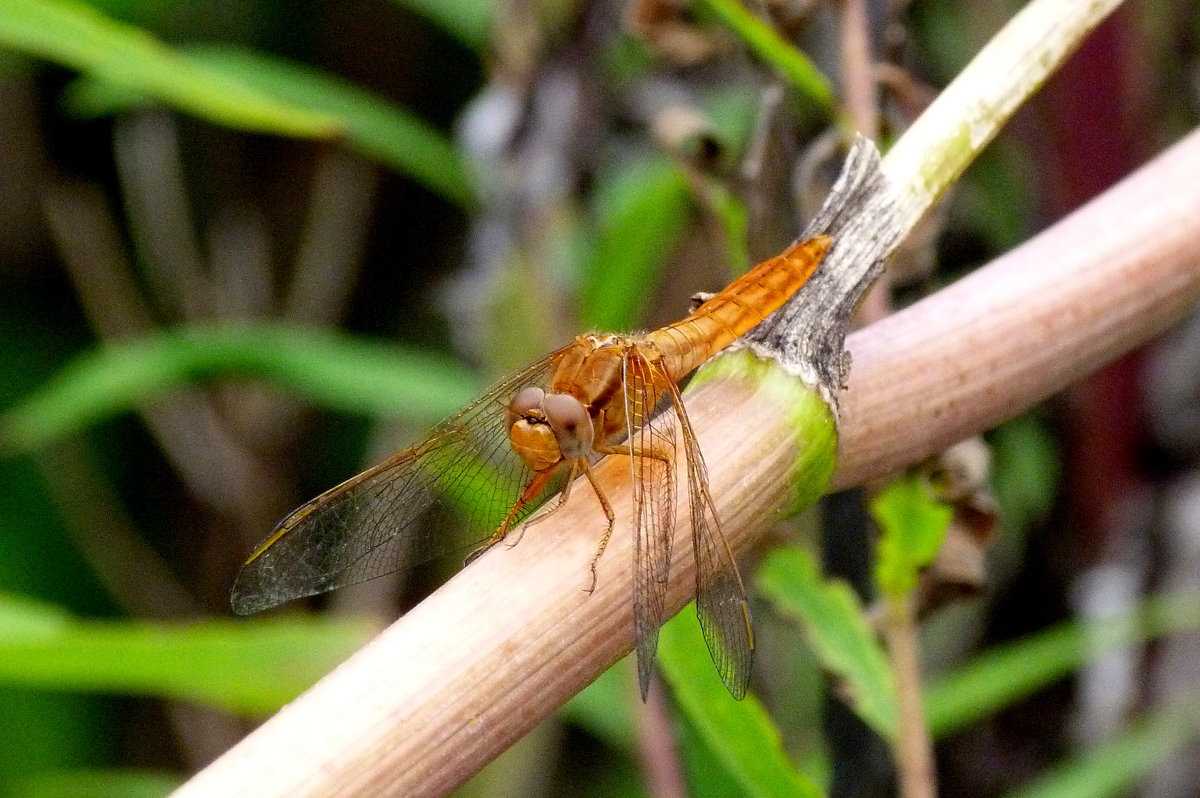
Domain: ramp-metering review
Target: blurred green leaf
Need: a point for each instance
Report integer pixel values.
(1113, 768)
(1026, 473)
(838, 632)
(78, 36)
(992, 196)
(374, 127)
(740, 735)
(241, 666)
(642, 210)
(734, 112)
(371, 125)
(330, 369)
(603, 708)
(38, 730)
(706, 774)
(1006, 674)
(95, 783)
(912, 525)
(734, 223)
(766, 42)
(42, 731)
(469, 21)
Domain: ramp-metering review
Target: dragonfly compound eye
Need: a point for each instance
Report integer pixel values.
(571, 424)
(527, 405)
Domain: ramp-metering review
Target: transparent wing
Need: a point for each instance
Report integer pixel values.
(721, 601)
(448, 491)
(652, 462)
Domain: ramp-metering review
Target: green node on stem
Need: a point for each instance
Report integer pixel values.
(801, 410)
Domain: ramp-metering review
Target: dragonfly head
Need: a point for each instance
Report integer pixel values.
(544, 429)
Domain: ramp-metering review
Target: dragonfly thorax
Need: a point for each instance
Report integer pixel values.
(546, 428)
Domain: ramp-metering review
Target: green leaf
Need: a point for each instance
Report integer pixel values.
(372, 126)
(603, 708)
(641, 211)
(704, 772)
(94, 783)
(1009, 673)
(739, 734)
(330, 369)
(838, 631)
(1113, 768)
(242, 666)
(765, 42)
(1026, 474)
(731, 212)
(78, 36)
(469, 21)
(912, 524)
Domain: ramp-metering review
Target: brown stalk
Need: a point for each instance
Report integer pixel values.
(508, 640)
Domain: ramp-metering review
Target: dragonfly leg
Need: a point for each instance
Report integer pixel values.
(608, 513)
(628, 451)
(558, 504)
(535, 487)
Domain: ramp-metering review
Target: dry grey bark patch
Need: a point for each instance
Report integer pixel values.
(807, 335)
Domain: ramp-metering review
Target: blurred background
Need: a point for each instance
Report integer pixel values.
(249, 247)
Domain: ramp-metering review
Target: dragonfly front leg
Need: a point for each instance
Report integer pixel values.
(531, 492)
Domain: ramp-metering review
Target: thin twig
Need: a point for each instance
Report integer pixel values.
(860, 97)
(913, 746)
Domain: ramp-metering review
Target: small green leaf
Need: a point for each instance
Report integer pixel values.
(331, 369)
(78, 36)
(704, 772)
(739, 734)
(246, 666)
(641, 212)
(838, 631)
(912, 526)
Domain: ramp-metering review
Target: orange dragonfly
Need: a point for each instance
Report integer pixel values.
(486, 468)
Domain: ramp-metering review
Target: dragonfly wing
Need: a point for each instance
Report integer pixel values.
(451, 490)
(652, 472)
(721, 601)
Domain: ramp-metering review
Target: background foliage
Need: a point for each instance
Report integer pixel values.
(249, 247)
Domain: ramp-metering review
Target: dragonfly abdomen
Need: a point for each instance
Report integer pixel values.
(737, 309)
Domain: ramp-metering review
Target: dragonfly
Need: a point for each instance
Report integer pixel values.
(483, 471)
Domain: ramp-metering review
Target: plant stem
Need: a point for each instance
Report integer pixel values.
(913, 748)
(968, 113)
